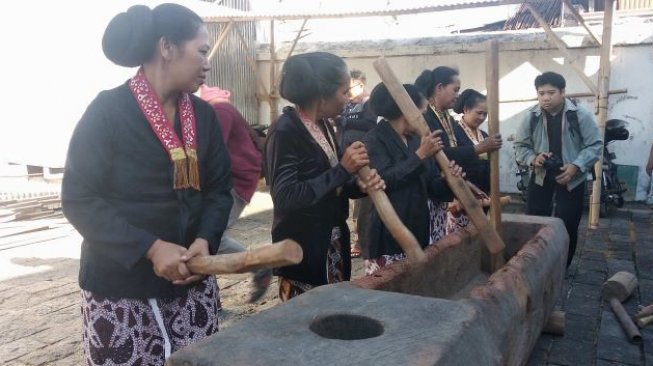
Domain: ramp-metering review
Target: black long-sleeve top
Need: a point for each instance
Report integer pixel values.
(477, 171)
(118, 193)
(310, 197)
(410, 182)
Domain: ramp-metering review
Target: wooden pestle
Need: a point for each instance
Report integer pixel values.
(615, 290)
(392, 222)
(284, 253)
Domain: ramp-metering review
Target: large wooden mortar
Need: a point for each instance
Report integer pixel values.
(448, 312)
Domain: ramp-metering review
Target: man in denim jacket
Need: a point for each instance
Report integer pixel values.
(560, 142)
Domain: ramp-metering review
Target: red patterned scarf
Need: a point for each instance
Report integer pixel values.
(183, 156)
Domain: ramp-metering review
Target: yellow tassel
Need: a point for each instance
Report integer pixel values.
(193, 169)
(180, 162)
(181, 175)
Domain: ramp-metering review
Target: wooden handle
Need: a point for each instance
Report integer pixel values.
(492, 86)
(556, 323)
(634, 336)
(392, 222)
(646, 311)
(284, 253)
(492, 241)
(644, 321)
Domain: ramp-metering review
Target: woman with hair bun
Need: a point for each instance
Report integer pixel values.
(147, 185)
(406, 164)
(473, 107)
(310, 178)
(440, 86)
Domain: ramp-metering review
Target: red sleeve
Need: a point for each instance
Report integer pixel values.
(226, 118)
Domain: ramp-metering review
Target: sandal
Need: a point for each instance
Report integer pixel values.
(355, 252)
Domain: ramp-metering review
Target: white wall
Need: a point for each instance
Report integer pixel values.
(523, 56)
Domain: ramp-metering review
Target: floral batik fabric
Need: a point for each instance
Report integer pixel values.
(437, 220)
(335, 270)
(375, 264)
(456, 222)
(120, 331)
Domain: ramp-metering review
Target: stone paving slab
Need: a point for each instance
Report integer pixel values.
(593, 335)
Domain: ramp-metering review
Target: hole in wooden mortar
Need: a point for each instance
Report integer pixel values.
(346, 327)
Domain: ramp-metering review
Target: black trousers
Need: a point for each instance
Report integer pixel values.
(569, 206)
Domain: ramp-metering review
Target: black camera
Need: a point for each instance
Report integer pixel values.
(553, 163)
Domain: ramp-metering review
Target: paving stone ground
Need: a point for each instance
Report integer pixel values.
(41, 324)
(593, 336)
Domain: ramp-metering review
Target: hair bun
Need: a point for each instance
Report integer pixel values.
(424, 82)
(298, 82)
(129, 38)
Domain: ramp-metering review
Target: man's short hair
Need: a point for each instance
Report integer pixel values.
(356, 74)
(551, 78)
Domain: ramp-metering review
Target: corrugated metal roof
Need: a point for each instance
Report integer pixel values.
(361, 12)
(635, 4)
(524, 19)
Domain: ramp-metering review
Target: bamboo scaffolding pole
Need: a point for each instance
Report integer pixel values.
(604, 85)
(572, 60)
(292, 49)
(581, 20)
(273, 97)
(568, 95)
(252, 63)
(221, 39)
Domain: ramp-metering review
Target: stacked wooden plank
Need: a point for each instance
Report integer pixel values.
(48, 206)
(31, 220)
(20, 233)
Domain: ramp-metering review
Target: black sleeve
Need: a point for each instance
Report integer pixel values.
(288, 192)
(88, 167)
(437, 186)
(393, 174)
(463, 155)
(360, 124)
(351, 190)
(216, 188)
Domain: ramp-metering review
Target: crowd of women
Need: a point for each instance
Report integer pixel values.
(147, 181)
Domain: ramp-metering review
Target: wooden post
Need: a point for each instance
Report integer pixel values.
(492, 86)
(581, 20)
(221, 38)
(488, 235)
(604, 87)
(573, 62)
(274, 98)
